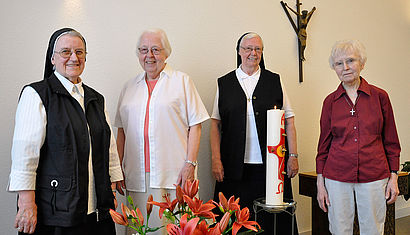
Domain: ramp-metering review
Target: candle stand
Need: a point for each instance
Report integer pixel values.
(288, 206)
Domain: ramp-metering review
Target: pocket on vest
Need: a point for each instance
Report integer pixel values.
(55, 193)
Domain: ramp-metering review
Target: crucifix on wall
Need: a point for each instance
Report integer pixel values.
(302, 20)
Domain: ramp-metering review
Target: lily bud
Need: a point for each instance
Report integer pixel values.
(118, 218)
(134, 214)
(140, 217)
(191, 188)
(180, 195)
(125, 210)
(149, 205)
(223, 202)
(224, 221)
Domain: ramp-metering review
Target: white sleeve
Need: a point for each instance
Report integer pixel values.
(29, 136)
(286, 103)
(196, 111)
(114, 165)
(117, 119)
(215, 111)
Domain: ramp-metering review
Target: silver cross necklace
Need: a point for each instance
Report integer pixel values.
(352, 111)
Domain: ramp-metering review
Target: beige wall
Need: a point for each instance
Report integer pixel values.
(203, 35)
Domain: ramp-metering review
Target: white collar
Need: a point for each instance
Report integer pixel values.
(242, 75)
(166, 72)
(68, 85)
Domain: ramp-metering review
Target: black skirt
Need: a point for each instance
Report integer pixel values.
(90, 227)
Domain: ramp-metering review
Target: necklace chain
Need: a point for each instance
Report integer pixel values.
(352, 111)
(248, 97)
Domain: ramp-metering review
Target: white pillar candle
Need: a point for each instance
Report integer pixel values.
(275, 156)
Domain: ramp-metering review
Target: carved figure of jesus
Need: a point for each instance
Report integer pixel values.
(304, 19)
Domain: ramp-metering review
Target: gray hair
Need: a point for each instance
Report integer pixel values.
(71, 33)
(249, 36)
(346, 46)
(164, 39)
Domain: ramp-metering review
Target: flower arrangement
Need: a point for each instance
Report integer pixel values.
(188, 215)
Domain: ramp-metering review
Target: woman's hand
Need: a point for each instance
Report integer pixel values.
(293, 167)
(120, 186)
(322, 196)
(392, 189)
(26, 218)
(217, 169)
(187, 173)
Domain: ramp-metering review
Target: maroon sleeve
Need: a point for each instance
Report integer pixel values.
(389, 134)
(325, 138)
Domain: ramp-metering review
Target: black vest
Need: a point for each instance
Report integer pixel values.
(232, 109)
(62, 173)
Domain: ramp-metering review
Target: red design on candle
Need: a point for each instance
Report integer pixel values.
(280, 188)
(279, 152)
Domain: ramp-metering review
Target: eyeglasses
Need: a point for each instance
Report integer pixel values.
(250, 49)
(154, 50)
(340, 64)
(66, 53)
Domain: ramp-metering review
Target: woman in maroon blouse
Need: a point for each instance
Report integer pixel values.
(358, 150)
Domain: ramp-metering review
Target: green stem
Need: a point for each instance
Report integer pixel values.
(137, 229)
(227, 231)
(146, 227)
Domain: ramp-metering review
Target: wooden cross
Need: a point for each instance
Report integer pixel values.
(302, 19)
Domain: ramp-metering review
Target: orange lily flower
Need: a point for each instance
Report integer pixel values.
(191, 188)
(227, 205)
(118, 218)
(216, 230)
(201, 229)
(165, 205)
(149, 205)
(220, 227)
(187, 227)
(200, 209)
(242, 217)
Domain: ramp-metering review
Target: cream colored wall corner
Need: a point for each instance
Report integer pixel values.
(203, 36)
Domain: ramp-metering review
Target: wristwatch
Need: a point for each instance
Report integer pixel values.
(293, 155)
(395, 172)
(195, 163)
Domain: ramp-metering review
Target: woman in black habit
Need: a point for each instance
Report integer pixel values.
(238, 132)
(65, 164)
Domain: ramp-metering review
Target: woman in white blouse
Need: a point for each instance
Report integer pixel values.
(159, 118)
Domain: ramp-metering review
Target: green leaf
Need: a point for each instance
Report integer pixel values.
(150, 230)
(249, 232)
(131, 202)
(169, 216)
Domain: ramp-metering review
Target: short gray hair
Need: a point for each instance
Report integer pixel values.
(164, 39)
(345, 46)
(249, 36)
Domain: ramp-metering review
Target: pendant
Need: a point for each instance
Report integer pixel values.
(352, 111)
